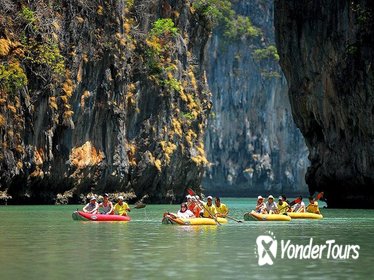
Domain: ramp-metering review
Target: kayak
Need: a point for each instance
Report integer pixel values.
(306, 215)
(82, 216)
(168, 219)
(266, 217)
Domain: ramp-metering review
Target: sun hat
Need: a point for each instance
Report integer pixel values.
(120, 197)
(259, 197)
(93, 197)
(209, 197)
(270, 196)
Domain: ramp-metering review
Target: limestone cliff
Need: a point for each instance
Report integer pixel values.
(251, 141)
(326, 52)
(101, 95)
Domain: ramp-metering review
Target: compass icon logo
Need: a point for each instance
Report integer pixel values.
(266, 249)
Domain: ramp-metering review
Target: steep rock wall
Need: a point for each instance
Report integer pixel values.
(251, 140)
(326, 52)
(97, 98)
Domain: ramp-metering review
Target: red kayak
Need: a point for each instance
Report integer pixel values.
(82, 216)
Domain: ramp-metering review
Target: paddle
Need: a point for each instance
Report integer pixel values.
(231, 218)
(292, 203)
(191, 192)
(297, 200)
(319, 196)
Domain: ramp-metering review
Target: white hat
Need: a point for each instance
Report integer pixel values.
(280, 198)
(270, 196)
(188, 196)
(93, 197)
(259, 197)
(120, 197)
(209, 197)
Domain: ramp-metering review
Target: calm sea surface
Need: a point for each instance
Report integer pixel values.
(43, 242)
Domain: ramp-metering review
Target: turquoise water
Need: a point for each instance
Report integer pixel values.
(43, 242)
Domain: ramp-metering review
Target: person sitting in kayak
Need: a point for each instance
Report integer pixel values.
(299, 207)
(121, 208)
(260, 206)
(222, 210)
(271, 206)
(190, 203)
(184, 212)
(106, 207)
(92, 206)
(313, 206)
(195, 206)
(209, 209)
(282, 205)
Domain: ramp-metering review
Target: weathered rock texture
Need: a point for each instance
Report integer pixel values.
(106, 106)
(326, 51)
(251, 140)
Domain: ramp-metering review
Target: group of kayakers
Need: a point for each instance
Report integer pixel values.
(283, 206)
(195, 208)
(106, 206)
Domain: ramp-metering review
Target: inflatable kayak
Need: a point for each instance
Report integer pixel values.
(306, 215)
(169, 219)
(266, 217)
(82, 216)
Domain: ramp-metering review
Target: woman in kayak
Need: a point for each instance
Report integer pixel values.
(271, 206)
(184, 212)
(260, 206)
(92, 206)
(106, 207)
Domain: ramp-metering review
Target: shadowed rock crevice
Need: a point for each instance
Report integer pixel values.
(326, 53)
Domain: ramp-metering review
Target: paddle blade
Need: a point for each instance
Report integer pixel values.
(297, 200)
(319, 196)
(191, 192)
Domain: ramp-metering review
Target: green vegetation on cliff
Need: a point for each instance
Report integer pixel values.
(220, 13)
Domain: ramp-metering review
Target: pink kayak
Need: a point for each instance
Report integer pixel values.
(82, 216)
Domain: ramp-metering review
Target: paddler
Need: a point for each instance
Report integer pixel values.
(282, 205)
(209, 210)
(313, 206)
(184, 212)
(190, 203)
(197, 206)
(271, 206)
(121, 207)
(106, 207)
(92, 206)
(222, 209)
(260, 206)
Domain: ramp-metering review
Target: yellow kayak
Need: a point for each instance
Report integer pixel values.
(306, 215)
(171, 219)
(266, 217)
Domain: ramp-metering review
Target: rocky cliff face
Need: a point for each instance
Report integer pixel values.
(101, 96)
(251, 140)
(326, 52)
